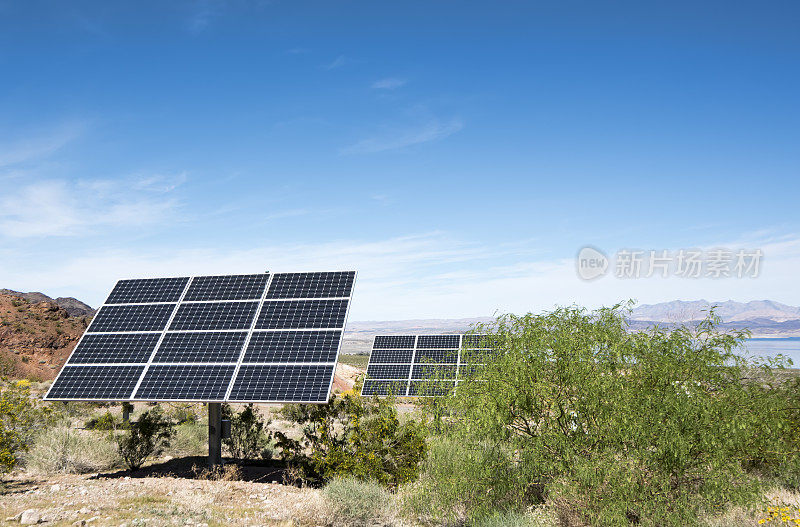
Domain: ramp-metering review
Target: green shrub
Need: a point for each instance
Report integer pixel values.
(105, 422)
(354, 436)
(184, 413)
(354, 503)
(61, 449)
(611, 427)
(250, 437)
(20, 419)
(146, 437)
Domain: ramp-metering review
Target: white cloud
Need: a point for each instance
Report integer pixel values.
(59, 207)
(390, 83)
(433, 130)
(337, 63)
(429, 275)
(36, 148)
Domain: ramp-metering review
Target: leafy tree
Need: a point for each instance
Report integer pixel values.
(613, 427)
(354, 436)
(146, 437)
(250, 437)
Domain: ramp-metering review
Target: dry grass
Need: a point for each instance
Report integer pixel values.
(63, 450)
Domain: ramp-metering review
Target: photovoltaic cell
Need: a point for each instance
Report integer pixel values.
(214, 316)
(201, 347)
(145, 317)
(439, 356)
(234, 287)
(185, 383)
(434, 371)
(383, 387)
(195, 339)
(293, 346)
(302, 314)
(388, 371)
(383, 356)
(312, 285)
(394, 341)
(96, 382)
(431, 388)
(111, 348)
(438, 341)
(308, 383)
(147, 291)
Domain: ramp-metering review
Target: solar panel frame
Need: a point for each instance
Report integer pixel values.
(153, 361)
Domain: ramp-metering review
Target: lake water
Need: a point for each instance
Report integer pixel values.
(789, 347)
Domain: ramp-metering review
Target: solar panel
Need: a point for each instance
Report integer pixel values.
(244, 338)
(233, 287)
(388, 371)
(293, 346)
(180, 382)
(95, 382)
(114, 348)
(312, 285)
(394, 341)
(202, 346)
(282, 383)
(146, 317)
(148, 290)
(424, 365)
(302, 314)
(214, 315)
(384, 387)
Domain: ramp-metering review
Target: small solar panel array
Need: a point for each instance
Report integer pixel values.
(243, 338)
(422, 365)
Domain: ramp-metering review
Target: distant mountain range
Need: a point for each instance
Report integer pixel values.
(730, 311)
(764, 318)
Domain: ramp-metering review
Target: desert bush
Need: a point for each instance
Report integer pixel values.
(354, 436)
(611, 427)
(250, 437)
(354, 503)
(183, 413)
(191, 439)
(104, 422)
(146, 437)
(20, 420)
(773, 404)
(61, 449)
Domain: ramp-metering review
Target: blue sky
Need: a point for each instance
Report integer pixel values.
(457, 154)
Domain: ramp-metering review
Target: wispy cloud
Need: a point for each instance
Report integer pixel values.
(336, 63)
(433, 130)
(426, 275)
(60, 207)
(36, 148)
(161, 183)
(390, 83)
(203, 12)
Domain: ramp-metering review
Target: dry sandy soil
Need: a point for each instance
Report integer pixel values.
(117, 499)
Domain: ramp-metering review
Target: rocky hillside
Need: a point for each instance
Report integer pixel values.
(71, 305)
(37, 334)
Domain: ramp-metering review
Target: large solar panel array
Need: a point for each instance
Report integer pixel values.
(238, 338)
(422, 365)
